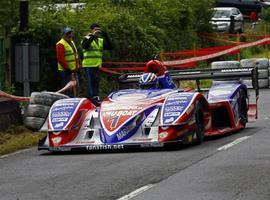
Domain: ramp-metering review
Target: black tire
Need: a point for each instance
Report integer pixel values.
(46, 98)
(261, 63)
(225, 64)
(263, 74)
(36, 110)
(199, 120)
(34, 123)
(243, 108)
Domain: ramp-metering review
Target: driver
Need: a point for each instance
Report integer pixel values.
(148, 81)
(164, 78)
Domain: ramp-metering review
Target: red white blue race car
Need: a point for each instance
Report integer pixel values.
(131, 118)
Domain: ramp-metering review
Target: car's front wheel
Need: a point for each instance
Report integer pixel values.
(243, 109)
(199, 124)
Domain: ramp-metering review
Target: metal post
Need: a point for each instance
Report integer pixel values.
(231, 30)
(238, 41)
(25, 63)
(194, 49)
(266, 45)
(24, 15)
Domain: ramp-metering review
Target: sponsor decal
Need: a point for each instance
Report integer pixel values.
(169, 120)
(173, 108)
(145, 145)
(123, 132)
(105, 147)
(60, 148)
(115, 114)
(114, 106)
(61, 113)
(56, 140)
(119, 113)
(175, 105)
(172, 114)
(59, 125)
(62, 119)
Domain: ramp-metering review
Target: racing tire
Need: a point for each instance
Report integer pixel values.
(199, 121)
(247, 82)
(263, 83)
(36, 110)
(243, 108)
(263, 73)
(261, 63)
(34, 123)
(225, 64)
(46, 98)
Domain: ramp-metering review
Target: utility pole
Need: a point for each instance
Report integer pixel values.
(25, 54)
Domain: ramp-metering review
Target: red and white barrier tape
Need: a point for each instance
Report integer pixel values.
(213, 55)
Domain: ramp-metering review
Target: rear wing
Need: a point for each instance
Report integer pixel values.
(200, 74)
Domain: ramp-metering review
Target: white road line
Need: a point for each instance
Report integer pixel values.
(237, 141)
(17, 152)
(136, 192)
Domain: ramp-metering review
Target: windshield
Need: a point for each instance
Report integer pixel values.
(221, 14)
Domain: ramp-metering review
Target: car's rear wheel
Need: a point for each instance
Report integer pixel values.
(199, 123)
(243, 109)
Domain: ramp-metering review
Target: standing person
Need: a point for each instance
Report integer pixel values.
(67, 58)
(93, 45)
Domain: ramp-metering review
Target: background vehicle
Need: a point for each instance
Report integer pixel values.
(221, 20)
(245, 6)
(265, 2)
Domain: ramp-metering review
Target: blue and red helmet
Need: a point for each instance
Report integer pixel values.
(148, 81)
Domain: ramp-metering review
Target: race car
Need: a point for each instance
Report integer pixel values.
(152, 117)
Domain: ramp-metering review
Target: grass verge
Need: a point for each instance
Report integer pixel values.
(17, 138)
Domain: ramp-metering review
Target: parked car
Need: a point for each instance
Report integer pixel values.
(245, 6)
(265, 2)
(222, 22)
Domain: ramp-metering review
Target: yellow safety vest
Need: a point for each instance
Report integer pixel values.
(93, 55)
(70, 55)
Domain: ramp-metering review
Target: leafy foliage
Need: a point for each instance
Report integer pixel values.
(138, 28)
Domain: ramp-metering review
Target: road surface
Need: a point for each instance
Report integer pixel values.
(231, 167)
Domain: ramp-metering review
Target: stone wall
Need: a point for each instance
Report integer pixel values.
(10, 113)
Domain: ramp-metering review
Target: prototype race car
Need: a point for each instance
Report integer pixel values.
(131, 118)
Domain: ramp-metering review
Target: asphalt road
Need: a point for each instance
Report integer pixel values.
(238, 171)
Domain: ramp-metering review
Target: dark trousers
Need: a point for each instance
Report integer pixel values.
(93, 79)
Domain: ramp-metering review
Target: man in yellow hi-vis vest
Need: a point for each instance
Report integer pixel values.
(67, 58)
(93, 45)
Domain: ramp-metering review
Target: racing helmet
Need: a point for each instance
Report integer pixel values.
(148, 81)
